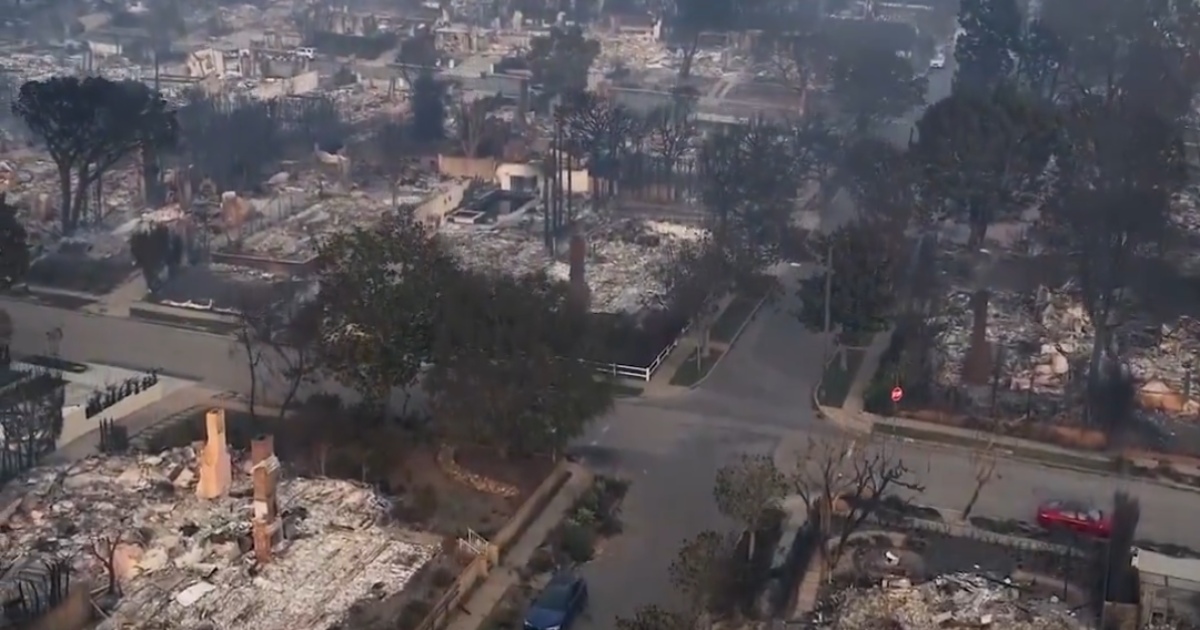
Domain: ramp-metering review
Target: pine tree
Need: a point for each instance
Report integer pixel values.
(985, 51)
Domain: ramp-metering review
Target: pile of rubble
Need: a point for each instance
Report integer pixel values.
(42, 66)
(645, 53)
(1047, 339)
(957, 600)
(1054, 326)
(623, 257)
(292, 228)
(181, 560)
(31, 181)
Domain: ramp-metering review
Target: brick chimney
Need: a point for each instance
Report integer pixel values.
(264, 472)
(216, 470)
(577, 258)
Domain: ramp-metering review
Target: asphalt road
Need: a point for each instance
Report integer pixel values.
(127, 343)
(940, 81)
(216, 361)
(757, 400)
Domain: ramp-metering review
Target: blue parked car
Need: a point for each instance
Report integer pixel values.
(559, 604)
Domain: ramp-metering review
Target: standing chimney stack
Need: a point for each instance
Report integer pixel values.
(264, 472)
(216, 469)
(577, 258)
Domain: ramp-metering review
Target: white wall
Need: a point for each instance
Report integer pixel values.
(434, 209)
(508, 170)
(580, 182)
(76, 422)
(104, 49)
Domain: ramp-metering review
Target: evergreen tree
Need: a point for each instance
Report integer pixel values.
(428, 108)
(986, 51)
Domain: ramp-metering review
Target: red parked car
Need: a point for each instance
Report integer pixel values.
(1074, 517)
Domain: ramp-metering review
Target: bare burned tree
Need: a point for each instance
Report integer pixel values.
(844, 486)
(31, 416)
(278, 338)
(477, 133)
(799, 59)
(671, 134)
(983, 469)
(598, 130)
(103, 547)
(249, 343)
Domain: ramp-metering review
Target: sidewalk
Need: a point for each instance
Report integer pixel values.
(504, 576)
(852, 417)
(1000, 442)
(866, 371)
(660, 385)
(851, 414)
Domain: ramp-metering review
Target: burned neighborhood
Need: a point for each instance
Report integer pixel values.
(696, 315)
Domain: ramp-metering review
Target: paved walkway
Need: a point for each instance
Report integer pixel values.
(118, 301)
(866, 371)
(488, 595)
(660, 383)
(851, 416)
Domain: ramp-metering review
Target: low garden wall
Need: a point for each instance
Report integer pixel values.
(76, 423)
(481, 565)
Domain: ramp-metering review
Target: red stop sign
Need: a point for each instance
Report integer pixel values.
(897, 394)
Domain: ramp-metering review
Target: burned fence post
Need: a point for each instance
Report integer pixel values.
(114, 438)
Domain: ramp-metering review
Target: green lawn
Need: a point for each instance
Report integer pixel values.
(687, 374)
(835, 381)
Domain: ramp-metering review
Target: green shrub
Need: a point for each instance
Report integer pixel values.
(590, 500)
(878, 396)
(613, 486)
(425, 502)
(611, 525)
(413, 614)
(577, 542)
(584, 516)
(506, 618)
(442, 577)
(542, 561)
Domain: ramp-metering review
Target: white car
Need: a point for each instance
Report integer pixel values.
(938, 62)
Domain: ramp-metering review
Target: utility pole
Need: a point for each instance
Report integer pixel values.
(828, 298)
(1108, 550)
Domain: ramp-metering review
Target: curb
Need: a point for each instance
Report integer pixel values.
(819, 409)
(732, 340)
(1002, 453)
